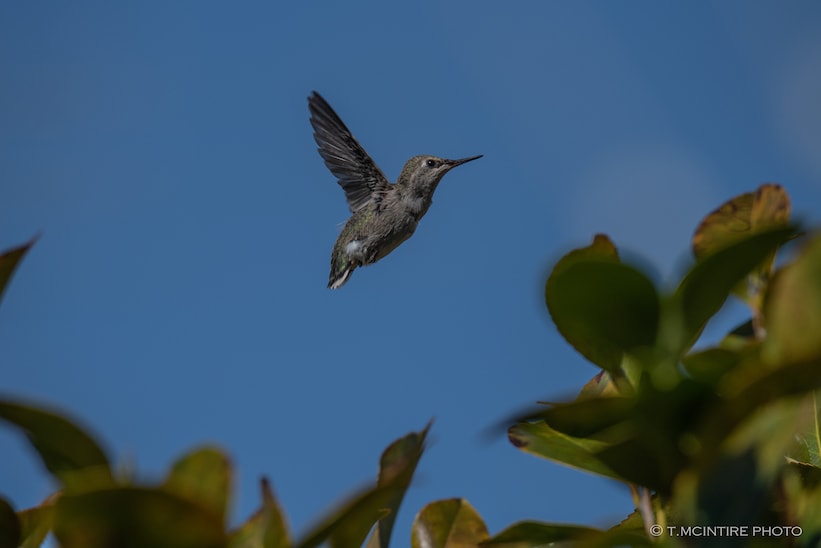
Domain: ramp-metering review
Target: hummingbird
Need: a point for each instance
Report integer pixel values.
(384, 214)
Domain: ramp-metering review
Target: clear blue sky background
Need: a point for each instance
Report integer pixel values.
(177, 295)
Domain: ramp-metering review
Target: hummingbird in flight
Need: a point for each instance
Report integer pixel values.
(383, 214)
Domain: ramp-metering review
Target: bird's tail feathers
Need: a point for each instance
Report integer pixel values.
(340, 274)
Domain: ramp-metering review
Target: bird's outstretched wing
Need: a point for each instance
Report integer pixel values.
(358, 175)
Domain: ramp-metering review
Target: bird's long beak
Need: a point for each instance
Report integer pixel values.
(454, 163)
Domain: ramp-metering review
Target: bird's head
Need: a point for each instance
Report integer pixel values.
(421, 174)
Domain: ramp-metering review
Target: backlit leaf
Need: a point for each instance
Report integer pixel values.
(349, 525)
(131, 517)
(765, 209)
(807, 447)
(793, 309)
(204, 478)
(266, 528)
(707, 285)
(602, 307)
(451, 523)
(710, 365)
(532, 534)
(67, 451)
(36, 523)
(396, 467)
(543, 441)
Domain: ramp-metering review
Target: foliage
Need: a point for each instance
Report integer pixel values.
(725, 435)
(719, 436)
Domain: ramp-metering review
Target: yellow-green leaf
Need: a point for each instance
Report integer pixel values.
(9, 261)
(204, 478)
(349, 525)
(532, 534)
(266, 528)
(771, 207)
(67, 451)
(36, 523)
(765, 209)
(601, 385)
(541, 440)
(793, 309)
(131, 517)
(451, 523)
(806, 449)
(396, 467)
(710, 365)
(709, 282)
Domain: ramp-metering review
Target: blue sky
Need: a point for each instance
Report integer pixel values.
(177, 294)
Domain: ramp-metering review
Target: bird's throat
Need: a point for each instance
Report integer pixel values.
(415, 204)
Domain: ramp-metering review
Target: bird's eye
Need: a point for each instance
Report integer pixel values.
(430, 163)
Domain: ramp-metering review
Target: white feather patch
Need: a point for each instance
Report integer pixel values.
(352, 247)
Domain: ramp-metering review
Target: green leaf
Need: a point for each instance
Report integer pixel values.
(36, 523)
(645, 447)
(204, 478)
(620, 539)
(809, 474)
(750, 387)
(131, 517)
(733, 479)
(804, 500)
(600, 385)
(266, 528)
(638, 463)
(633, 522)
(635, 439)
(396, 467)
(9, 526)
(807, 449)
(602, 307)
(451, 523)
(602, 248)
(585, 418)
(9, 261)
(732, 491)
(532, 534)
(772, 431)
(67, 451)
(747, 390)
(708, 366)
(707, 285)
(543, 441)
(349, 525)
(742, 340)
(793, 309)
